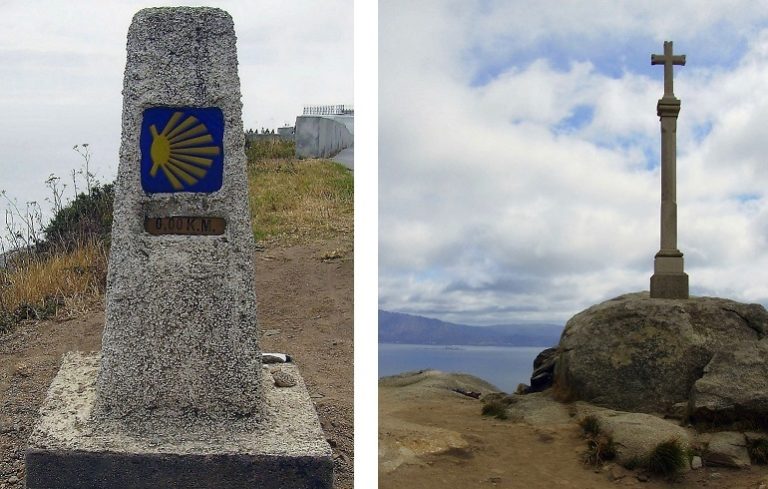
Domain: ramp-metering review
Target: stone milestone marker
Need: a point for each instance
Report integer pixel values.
(669, 281)
(178, 396)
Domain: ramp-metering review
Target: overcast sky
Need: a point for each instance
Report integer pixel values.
(61, 76)
(519, 153)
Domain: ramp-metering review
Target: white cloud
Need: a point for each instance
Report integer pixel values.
(536, 192)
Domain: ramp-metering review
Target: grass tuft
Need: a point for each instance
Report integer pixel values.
(600, 448)
(758, 450)
(668, 458)
(495, 408)
(590, 425)
(600, 445)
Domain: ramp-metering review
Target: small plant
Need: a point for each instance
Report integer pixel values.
(668, 458)
(590, 425)
(600, 448)
(497, 409)
(758, 450)
(600, 444)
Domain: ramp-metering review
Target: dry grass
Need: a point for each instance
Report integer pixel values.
(297, 202)
(37, 286)
(600, 444)
(497, 409)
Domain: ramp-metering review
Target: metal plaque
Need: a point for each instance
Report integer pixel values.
(200, 226)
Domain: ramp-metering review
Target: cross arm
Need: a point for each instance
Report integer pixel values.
(660, 59)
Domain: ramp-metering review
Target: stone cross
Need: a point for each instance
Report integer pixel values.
(669, 281)
(668, 59)
(178, 396)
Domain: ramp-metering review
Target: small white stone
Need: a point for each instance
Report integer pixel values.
(696, 462)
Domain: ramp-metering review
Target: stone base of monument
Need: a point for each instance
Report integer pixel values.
(669, 286)
(70, 448)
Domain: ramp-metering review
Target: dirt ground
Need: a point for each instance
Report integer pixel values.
(305, 309)
(431, 437)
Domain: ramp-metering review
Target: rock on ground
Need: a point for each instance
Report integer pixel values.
(635, 353)
(734, 386)
(637, 434)
(538, 409)
(728, 449)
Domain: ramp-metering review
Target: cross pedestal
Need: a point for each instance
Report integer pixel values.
(669, 281)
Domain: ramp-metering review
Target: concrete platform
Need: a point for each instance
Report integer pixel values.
(69, 447)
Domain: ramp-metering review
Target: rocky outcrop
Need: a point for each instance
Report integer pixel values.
(635, 435)
(435, 379)
(639, 354)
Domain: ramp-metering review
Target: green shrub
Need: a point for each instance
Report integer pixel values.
(668, 458)
(86, 219)
(497, 409)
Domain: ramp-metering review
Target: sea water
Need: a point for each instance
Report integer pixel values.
(503, 366)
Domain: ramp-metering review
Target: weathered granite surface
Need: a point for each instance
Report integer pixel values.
(639, 354)
(726, 449)
(637, 434)
(181, 330)
(70, 447)
(734, 386)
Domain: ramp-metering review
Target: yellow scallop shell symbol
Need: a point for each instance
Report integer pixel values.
(181, 150)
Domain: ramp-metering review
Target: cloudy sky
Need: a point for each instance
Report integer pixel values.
(61, 76)
(519, 153)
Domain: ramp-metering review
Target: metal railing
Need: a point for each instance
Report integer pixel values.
(329, 110)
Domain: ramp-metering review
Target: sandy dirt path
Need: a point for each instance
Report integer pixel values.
(431, 437)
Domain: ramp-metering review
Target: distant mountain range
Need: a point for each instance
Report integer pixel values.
(395, 327)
